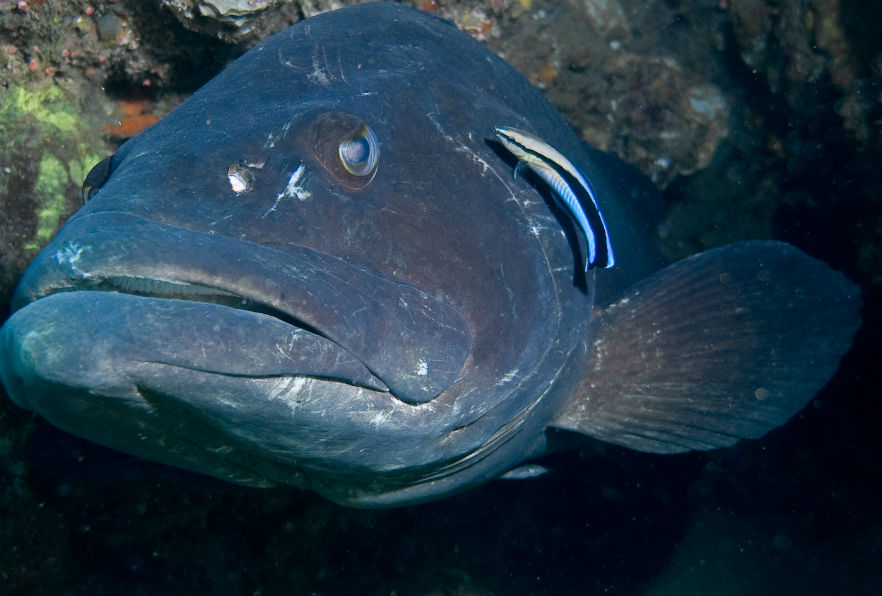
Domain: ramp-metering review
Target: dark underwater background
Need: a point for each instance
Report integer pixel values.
(792, 153)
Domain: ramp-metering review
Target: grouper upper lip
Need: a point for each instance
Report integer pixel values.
(414, 343)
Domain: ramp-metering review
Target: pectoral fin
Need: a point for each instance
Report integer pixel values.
(724, 345)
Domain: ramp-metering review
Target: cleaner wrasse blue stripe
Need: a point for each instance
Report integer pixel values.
(567, 183)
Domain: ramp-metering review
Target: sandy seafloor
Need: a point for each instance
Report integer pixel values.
(797, 512)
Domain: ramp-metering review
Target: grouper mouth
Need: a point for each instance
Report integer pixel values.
(173, 296)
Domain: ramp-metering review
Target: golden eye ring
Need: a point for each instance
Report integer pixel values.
(360, 153)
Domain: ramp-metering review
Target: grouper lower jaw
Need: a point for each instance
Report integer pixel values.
(228, 402)
(239, 400)
(413, 344)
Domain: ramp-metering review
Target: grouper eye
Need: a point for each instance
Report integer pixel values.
(359, 153)
(346, 148)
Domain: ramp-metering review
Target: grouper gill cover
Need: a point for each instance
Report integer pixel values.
(320, 271)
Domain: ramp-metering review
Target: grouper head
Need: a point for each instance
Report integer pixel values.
(318, 265)
(320, 271)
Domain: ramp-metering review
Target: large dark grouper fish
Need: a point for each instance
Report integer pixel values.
(320, 271)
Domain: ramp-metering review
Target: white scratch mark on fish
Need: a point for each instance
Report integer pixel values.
(340, 66)
(476, 159)
(507, 377)
(222, 450)
(271, 138)
(465, 149)
(422, 368)
(437, 125)
(284, 61)
(319, 75)
(294, 189)
(380, 419)
(287, 390)
(69, 254)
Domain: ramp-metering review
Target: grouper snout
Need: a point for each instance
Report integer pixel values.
(329, 319)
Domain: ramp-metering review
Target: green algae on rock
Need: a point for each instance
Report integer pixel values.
(48, 147)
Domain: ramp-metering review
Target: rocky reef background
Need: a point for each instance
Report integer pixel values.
(758, 119)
